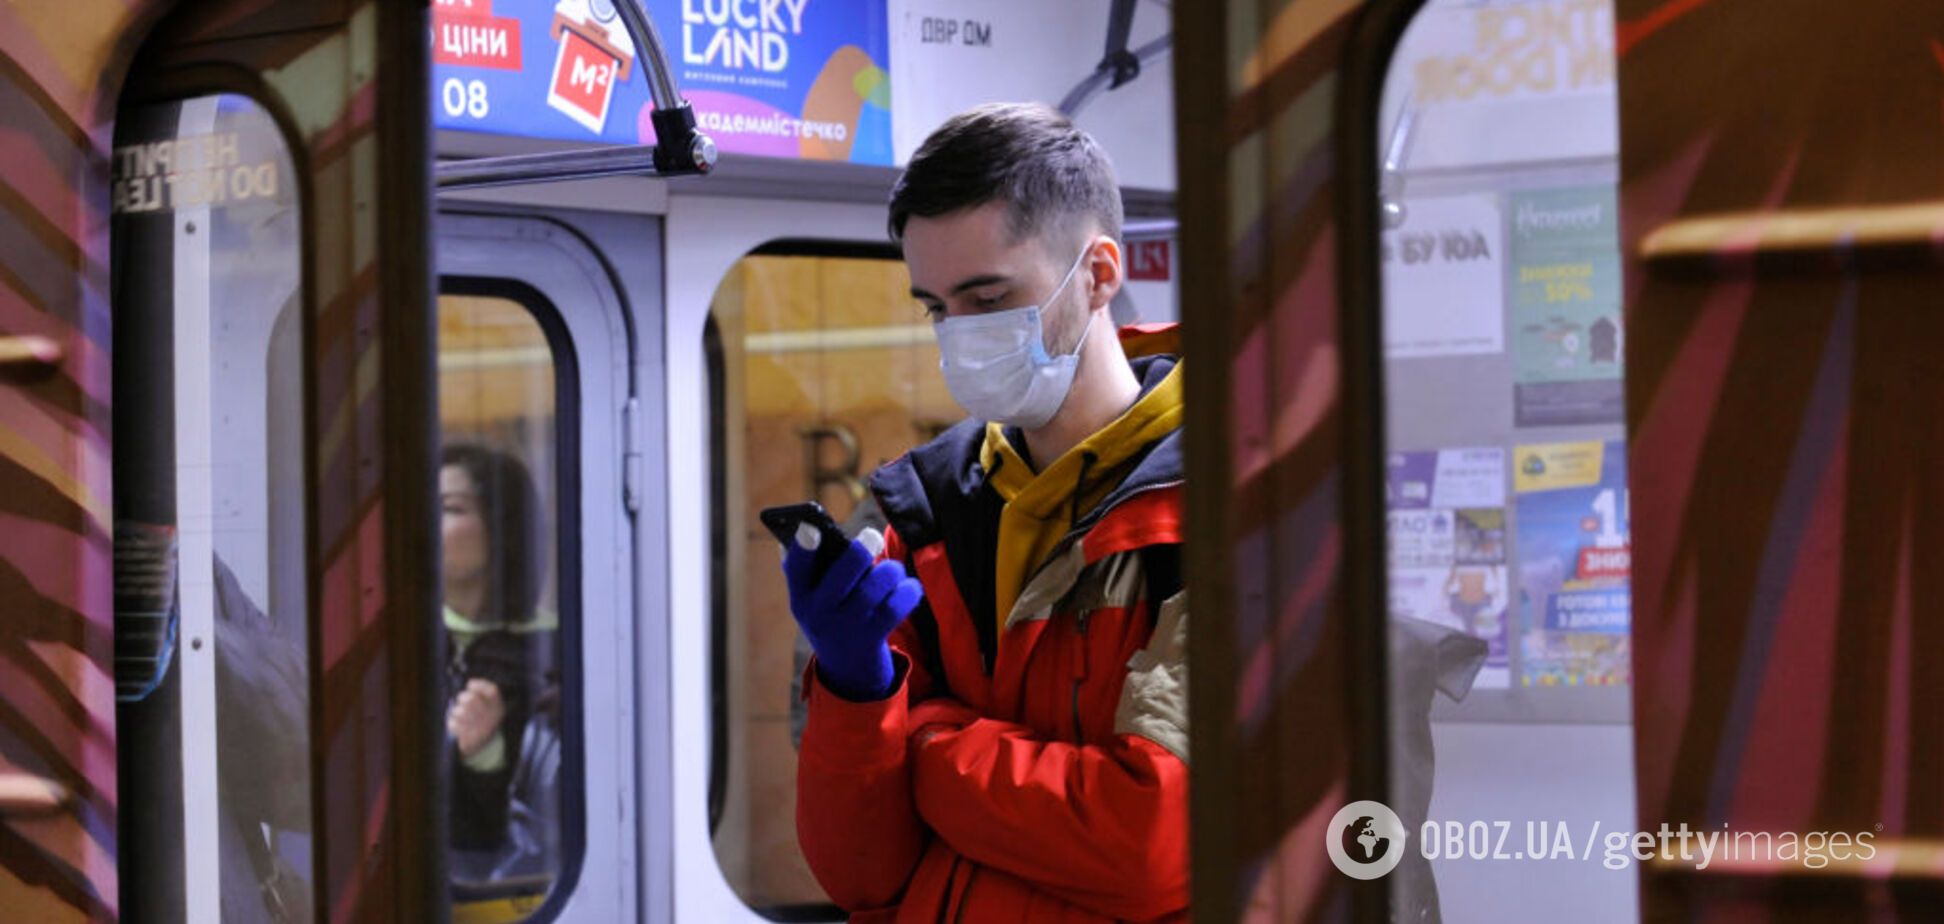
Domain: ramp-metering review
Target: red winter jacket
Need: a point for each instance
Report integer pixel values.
(1032, 773)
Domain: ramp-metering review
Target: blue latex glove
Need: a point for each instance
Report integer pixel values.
(849, 614)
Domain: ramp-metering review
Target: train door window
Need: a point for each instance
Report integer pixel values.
(1506, 464)
(821, 369)
(534, 382)
(501, 495)
(212, 668)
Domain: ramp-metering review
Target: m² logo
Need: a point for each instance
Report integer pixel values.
(1366, 840)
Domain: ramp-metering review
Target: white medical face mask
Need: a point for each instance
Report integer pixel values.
(996, 364)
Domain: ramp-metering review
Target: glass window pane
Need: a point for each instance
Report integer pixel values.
(211, 589)
(499, 503)
(1506, 462)
(826, 370)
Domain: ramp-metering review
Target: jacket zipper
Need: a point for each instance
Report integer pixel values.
(1080, 671)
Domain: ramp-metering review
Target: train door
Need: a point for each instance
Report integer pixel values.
(1780, 207)
(732, 788)
(259, 322)
(1538, 268)
(537, 385)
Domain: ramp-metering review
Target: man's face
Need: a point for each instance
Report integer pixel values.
(968, 262)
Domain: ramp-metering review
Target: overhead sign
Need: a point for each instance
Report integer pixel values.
(1149, 261)
(950, 55)
(465, 33)
(1506, 82)
(1467, 52)
(776, 78)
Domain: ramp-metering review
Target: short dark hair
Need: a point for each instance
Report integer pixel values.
(1026, 155)
(516, 556)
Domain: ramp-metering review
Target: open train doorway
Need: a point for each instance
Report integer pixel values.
(784, 237)
(1505, 462)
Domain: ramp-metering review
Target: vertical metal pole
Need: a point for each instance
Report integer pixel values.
(196, 523)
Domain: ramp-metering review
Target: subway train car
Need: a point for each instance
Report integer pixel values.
(351, 350)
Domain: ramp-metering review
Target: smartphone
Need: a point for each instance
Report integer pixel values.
(783, 522)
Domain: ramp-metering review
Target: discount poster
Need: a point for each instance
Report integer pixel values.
(1568, 344)
(1447, 546)
(775, 78)
(1575, 563)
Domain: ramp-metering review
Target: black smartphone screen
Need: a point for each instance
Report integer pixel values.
(782, 522)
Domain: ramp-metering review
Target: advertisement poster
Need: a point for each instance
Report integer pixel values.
(1447, 546)
(1568, 345)
(1444, 279)
(775, 78)
(1575, 563)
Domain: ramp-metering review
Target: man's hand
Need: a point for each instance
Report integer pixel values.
(847, 615)
(475, 715)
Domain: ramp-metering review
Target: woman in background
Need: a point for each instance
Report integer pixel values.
(499, 652)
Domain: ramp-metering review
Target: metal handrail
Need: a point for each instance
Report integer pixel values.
(516, 169)
(1161, 229)
(661, 77)
(1397, 152)
(680, 147)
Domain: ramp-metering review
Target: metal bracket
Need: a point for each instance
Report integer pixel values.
(631, 461)
(680, 148)
(1119, 64)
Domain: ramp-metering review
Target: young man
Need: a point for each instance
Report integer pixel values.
(998, 724)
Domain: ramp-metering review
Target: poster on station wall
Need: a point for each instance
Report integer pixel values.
(1568, 342)
(1575, 563)
(1447, 546)
(774, 78)
(1444, 279)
